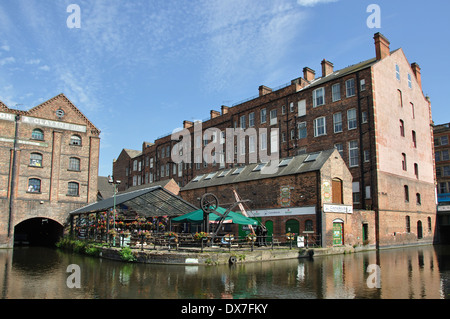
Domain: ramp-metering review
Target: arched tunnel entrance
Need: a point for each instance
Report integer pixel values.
(37, 232)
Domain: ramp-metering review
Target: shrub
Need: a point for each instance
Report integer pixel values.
(127, 254)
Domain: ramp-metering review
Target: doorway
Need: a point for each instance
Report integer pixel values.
(338, 230)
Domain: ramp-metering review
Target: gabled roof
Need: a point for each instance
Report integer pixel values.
(42, 105)
(288, 166)
(132, 153)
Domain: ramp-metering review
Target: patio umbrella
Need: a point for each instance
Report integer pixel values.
(197, 217)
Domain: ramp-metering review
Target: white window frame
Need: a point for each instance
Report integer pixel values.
(263, 116)
(337, 123)
(302, 127)
(318, 127)
(336, 92)
(251, 119)
(273, 116)
(352, 122)
(350, 88)
(301, 107)
(318, 99)
(353, 155)
(397, 72)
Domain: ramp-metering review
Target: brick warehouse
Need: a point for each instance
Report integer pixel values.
(373, 112)
(309, 195)
(48, 167)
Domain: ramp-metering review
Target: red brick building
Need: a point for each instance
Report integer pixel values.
(442, 159)
(373, 112)
(48, 167)
(309, 195)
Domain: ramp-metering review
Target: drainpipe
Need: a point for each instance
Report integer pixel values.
(13, 178)
(361, 148)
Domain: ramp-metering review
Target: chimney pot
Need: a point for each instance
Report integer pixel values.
(214, 114)
(224, 109)
(381, 46)
(187, 124)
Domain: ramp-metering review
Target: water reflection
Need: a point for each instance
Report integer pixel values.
(421, 272)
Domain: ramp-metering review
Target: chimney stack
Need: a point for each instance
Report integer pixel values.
(416, 69)
(327, 68)
(214, 114)
(263, 90)
(188, 124)
(308, 74)
(381, 46)
(225, 109)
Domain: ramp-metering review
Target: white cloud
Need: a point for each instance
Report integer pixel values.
(32, 61)
(312, 3)
(8, 60)
(5, 47)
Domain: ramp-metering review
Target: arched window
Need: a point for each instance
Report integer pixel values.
(74, 164)
(73, 189)
(419, 230)
(36, 160)
(34, 185)
(37, 134)
(75, 140)
(408, 224)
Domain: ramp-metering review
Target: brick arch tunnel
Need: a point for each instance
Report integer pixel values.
(39, 231)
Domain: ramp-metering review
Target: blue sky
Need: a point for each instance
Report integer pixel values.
(138, 68)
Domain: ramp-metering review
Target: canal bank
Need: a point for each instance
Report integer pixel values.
(213, 256)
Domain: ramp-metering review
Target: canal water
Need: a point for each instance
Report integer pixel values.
(405, 273)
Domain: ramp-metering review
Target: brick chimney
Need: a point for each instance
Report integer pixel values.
(327, 68)
(214, 114)
(381, 46)
(188, 124)
(225, 109)
(263, 90)
(416, 70)
(308, 74)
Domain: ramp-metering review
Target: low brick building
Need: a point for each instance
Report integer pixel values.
(48, 167)
(309, 195)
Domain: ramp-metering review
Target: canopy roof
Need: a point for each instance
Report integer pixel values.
(235, 218)
(149, 202)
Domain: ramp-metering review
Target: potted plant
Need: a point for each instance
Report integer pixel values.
(290, 236)
(251, 237)
(200, 235)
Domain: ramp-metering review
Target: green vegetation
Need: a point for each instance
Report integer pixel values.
(127, 254)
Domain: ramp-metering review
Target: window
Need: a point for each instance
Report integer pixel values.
(356, 192)
(283, 137)
(320, 126)
(416, 170)
(397, 72)
(302, 130)
(366, 156)
(37, 134)
(135, 165)
(429, 224)
(364, 117)
(309, 225)
(446, 171)
(292, 134)
(34, 185)
(402, 128)
(242, 122)
(418, 199)
(291, 107)
(318, 97)
(259, 167)
(251, 119)
(414, 139)
(263, 141)
(273, 117)
(263, 115)
(353, 153)
(283, 109)
(162, 170)
(409, 81)
(408, 224)
(350, 87)
(74, 164)
(337, 122)
(444, 140)
(73, 189)
(351, 119)
(251, 144)
(336, 92)
(340, 148)
(75, 140)
(285, 162)
(36, 160)
(412, 111)
(362, 85)
(404, 166)
(274, 141)
(406, 192)
(400, 98)
(336, 191)
(301, 108)
(444, 155)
